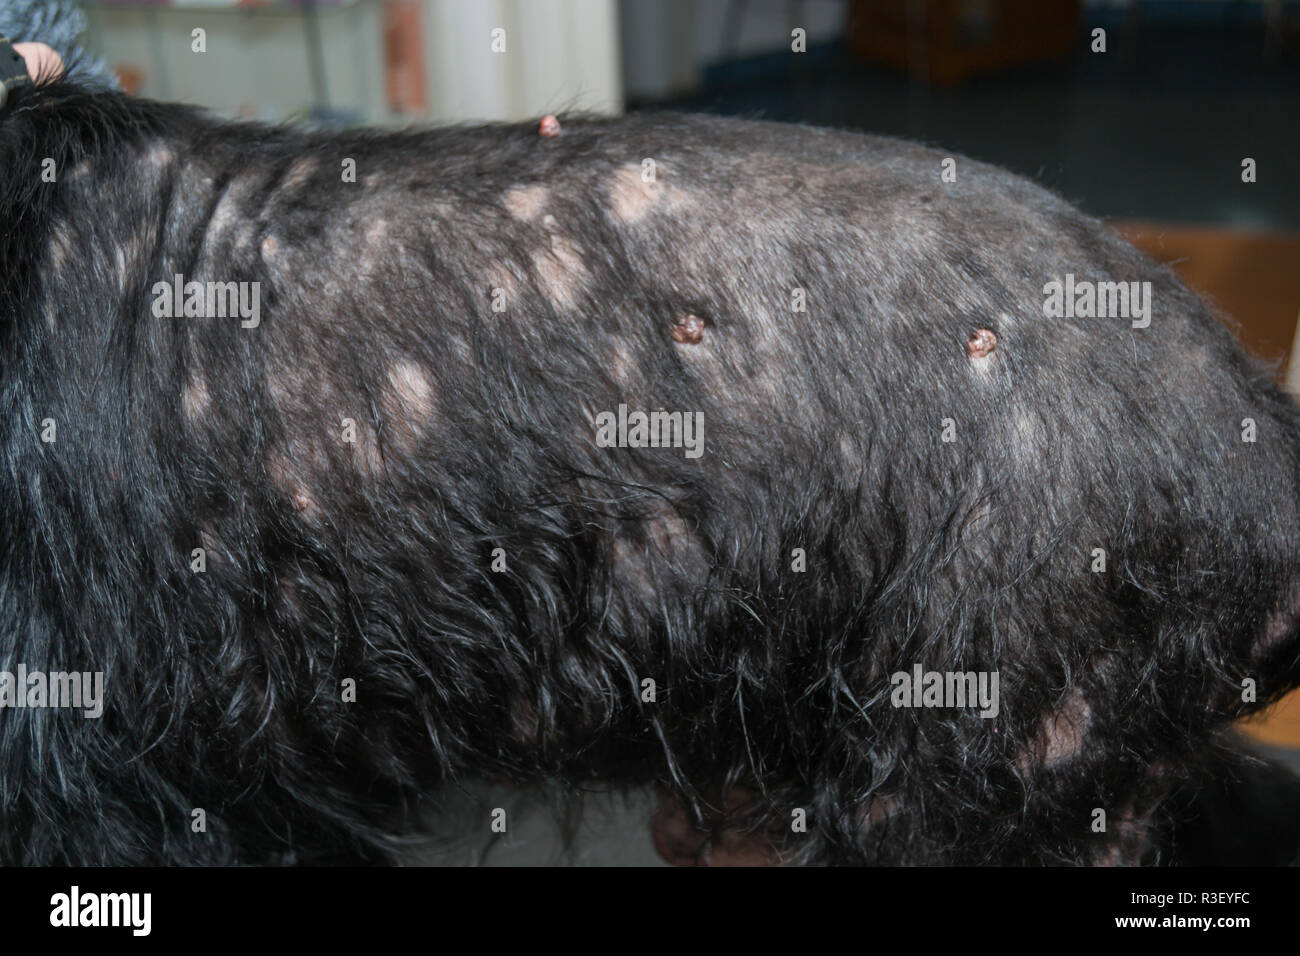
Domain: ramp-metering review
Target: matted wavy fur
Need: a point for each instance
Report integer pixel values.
(372, 561)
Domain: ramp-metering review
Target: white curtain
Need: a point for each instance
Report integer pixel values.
(559, 55)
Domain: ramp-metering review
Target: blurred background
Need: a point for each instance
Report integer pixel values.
(1178, 121)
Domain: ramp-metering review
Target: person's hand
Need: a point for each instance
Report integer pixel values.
(43, 63)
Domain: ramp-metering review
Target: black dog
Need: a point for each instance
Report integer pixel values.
(312, 445)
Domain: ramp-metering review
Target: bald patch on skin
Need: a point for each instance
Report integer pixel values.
(376, 245)
(156, 160)
(366, 455)
(1064, 730)
(123, 267)
(412, 389)
(1061, 734)
(196, 398)
(300, 459)
(285, 476)
(230, 214)
(132, 256)
(78, 172)
(226, 214)
(851, 458)
(60, 246)
(660, 548)
(270, 248)
(878, 809)
(408, 402)
(630, 566)
(1026, 435)
(300, 172)
(631, 196)
(1130, 834)
(159, 155)
(561, 271)
(304, 503)
(622, 366)
(526, 202)
(278, 387)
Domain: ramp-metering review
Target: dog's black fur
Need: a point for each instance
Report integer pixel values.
(373, 561)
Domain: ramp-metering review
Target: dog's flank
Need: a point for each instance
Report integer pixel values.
(371, 544)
